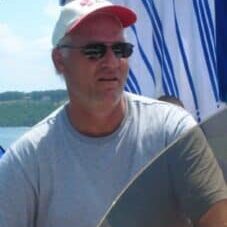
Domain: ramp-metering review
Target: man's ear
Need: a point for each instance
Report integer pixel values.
(58, 60)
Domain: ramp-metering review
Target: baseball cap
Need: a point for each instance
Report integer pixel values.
(74, 12)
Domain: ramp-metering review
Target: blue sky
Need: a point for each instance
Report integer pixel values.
(25, 45)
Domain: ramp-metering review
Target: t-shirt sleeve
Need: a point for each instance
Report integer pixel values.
(17, 196)
(195, 175)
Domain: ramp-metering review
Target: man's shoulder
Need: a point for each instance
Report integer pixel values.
(37, 145)
(172, 119)
(45, 129)
(154, 105)
(140, 98)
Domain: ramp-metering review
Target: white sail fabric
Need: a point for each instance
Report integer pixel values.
(175, 52)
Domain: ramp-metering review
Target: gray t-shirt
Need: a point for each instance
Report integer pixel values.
(56, 176)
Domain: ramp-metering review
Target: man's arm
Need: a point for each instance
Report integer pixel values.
(17, 196)
(216, 216)
(198, 182)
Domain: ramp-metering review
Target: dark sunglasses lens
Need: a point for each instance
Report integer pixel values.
(94, 51)
(122, 50)
(98, 50)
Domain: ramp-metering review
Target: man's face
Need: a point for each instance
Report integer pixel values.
(95, 81)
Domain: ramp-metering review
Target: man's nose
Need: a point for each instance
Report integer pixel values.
(110, 58)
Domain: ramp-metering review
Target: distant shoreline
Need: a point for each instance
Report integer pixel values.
(20, 109)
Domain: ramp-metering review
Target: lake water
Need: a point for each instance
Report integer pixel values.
(9, 134)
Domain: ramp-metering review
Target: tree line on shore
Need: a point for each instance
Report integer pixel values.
(26, 109)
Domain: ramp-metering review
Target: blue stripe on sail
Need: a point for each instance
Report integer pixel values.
(129, 87)
(208, 35)
(157, 32)
(203, 42)
(221, 34)
(143, 55)
(186, 66)
(209, 27)
(165, 60)
(167, 55)
(132, 83)
(210, 21)
(157, 18)
(165, 89)
(166, 83)
(135, 82)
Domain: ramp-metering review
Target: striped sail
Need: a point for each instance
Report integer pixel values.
(175, 53)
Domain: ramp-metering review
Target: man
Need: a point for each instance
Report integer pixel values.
(71, 166)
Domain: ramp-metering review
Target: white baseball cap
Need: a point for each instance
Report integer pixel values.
(73, 13)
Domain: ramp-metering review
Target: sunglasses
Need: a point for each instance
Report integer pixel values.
(98, 50)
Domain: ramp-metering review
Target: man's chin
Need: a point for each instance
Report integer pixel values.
(111, 96)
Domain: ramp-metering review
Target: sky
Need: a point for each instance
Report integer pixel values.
(25, 45)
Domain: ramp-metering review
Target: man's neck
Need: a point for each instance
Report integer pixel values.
(97, 122)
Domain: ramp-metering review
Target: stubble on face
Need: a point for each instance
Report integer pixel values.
(98, 83)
